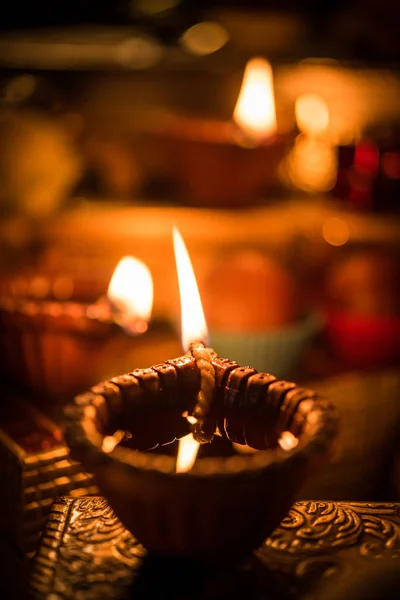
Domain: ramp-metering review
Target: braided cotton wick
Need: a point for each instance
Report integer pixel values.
(203, 427)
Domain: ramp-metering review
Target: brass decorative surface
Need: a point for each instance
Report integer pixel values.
(31, 477)
(321, 541)
(87, 553)
(315, 527)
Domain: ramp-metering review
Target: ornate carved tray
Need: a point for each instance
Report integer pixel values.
(86, 552)
(35, 468)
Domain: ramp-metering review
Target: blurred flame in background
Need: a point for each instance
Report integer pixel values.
(255, 108)
(334, 105)
(131, 291)
(355, 98)
(311, 165)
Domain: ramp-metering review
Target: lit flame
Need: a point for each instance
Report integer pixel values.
(255, 109)
(194, 328)
(312, 114)
(193, 323)
(187, 452)
(131, 293)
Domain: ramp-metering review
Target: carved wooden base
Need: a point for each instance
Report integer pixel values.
(87, 553)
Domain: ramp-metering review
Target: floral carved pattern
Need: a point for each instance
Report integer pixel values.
(315, 527)
(87, 554)
(309, 542)
(96, 556)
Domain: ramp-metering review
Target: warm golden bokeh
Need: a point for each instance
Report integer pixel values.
(335, 231)
(312, 114)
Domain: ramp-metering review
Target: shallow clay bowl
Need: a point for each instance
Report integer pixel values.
(226, 506)
(50, 342)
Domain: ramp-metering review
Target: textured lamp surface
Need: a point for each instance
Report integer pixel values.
(226, 505)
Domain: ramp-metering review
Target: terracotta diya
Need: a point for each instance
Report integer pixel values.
(57, 330)
(230, 163)
(223, 505)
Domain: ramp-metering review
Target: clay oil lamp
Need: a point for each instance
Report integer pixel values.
(55, 331)
(221, 505)
(230, 163)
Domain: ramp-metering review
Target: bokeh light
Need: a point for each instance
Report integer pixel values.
(139, 52)
(19, 89)
(335, 231)
(312, 114)
(311, 165)
(204, 38)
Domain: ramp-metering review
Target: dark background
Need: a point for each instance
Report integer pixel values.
(355, 29)
(51, 12)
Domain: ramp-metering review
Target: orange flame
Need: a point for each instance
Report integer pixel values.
(187, 453)
(194, 328)
(131, 292)
(255, 108)
(193, 323)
